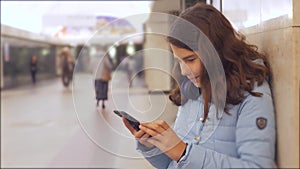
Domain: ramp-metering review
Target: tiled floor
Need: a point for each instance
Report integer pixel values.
(47, 125)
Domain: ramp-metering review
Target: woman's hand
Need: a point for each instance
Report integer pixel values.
(164, 138)
(140, 135)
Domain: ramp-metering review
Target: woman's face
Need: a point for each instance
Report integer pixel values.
(190, 64)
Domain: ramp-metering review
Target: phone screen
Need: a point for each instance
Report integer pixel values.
(132, 121)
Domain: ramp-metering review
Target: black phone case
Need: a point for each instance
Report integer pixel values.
(132, 121)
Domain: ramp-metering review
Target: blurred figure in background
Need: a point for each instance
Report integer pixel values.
(103, 76)
(130, 69)
(67, 66)
(33, 68)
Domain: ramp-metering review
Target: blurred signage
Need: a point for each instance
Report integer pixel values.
(69, 20)
(113, 25)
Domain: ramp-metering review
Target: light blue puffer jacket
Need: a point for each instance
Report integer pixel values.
(244, 139)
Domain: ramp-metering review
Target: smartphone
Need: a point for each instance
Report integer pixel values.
(132, 121)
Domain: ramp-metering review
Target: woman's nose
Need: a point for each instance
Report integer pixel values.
(185, 70)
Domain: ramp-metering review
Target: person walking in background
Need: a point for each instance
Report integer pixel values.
(67, 66)
(239, 133)
(33, 68)
(130, 69)
(103, 76)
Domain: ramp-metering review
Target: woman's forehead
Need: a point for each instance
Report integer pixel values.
(181, 52)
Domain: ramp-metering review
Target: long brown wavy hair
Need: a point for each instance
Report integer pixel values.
(237, 57)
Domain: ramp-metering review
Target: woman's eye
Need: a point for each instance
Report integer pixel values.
(190, 60)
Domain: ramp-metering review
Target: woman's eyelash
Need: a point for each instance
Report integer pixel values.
(189, 60)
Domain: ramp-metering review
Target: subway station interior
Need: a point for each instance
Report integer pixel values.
(51, 119)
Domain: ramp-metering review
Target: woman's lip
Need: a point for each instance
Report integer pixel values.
(193, 79)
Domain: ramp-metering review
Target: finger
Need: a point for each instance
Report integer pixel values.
(158, 126)
(163, 124)
(139, 134)
(127, 124)
(153, 126)
(149, 131)
(144, 137)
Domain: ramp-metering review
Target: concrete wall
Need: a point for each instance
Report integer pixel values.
(157, 58)
(274, 26)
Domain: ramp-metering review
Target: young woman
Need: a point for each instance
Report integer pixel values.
(240, 133)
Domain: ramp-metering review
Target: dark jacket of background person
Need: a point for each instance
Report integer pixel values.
(68, 63)
(33, 67)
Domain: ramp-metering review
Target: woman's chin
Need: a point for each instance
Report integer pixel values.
(197, 84)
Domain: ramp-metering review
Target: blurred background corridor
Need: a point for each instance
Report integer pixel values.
(50, 117)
